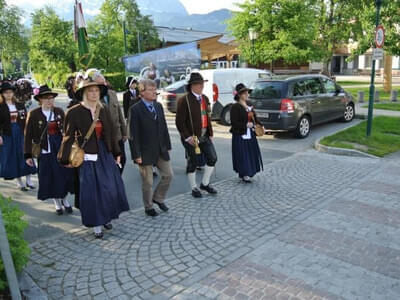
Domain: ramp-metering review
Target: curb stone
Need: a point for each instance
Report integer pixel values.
(341, 151)
(29, 289)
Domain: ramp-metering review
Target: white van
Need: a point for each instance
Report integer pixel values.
(221, 85)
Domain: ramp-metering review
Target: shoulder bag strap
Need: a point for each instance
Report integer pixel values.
(45, 128)
(90, 131)
(190, 113)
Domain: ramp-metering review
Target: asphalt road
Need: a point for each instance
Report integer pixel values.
(44, 223)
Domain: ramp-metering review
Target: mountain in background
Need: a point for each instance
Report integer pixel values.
(170, 13)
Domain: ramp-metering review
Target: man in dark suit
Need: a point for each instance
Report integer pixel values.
(193, 121)
(151, 145)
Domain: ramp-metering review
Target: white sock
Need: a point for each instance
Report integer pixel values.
(20, 183)
(28, 180)
(57, 203)
(207, 175)
(192, 180)
(65, 202)
(97, 229)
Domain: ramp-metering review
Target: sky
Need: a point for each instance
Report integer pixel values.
(192, 6)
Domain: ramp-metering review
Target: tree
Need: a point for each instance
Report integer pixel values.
(363, 29)
(286, 31)
(13, 40)
(106, 34)
(53, 52)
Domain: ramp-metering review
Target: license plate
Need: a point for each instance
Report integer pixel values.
(263, 115)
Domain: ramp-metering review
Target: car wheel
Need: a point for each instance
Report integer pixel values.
(348, 114)
(303, 127)
(226, 116)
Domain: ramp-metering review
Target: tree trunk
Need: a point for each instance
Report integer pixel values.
(387, 73)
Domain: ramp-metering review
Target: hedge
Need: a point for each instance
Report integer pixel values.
(15, 226)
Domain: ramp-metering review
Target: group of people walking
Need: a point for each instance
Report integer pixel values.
(83, 151)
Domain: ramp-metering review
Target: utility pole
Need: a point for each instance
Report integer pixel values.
(372, 86)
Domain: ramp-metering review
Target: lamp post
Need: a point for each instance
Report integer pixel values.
(253, 37)
(372, 86)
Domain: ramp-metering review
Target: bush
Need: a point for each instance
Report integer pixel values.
(117, 80)
(15, 226)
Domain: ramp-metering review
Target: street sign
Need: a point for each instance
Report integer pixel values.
(379, 36)
(377, 54)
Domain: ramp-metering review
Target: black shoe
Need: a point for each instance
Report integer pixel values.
(108, 226)
(98, 235)
(23, 188)
(208, 188)
(32, 187)
(68, 209)
(151, 212)
(59, 211)
(162, 206)
(196, 193)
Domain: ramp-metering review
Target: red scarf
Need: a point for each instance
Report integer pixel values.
(204, 119)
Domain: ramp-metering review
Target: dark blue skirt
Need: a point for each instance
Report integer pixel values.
(246, 155)
(53, 178)
(102, 194)
(12, 161)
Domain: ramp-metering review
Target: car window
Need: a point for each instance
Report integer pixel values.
(175, 85)
(299, 88)
(267, 90)
(313, 86)
(330, 86)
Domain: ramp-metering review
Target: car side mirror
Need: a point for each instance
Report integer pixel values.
(339, 90)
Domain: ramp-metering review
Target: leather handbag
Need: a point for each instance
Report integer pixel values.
(259, 130)
(36, 148)
(77, 154)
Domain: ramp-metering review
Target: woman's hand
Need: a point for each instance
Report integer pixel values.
(250, 125)
(1, 141)
(29, 162)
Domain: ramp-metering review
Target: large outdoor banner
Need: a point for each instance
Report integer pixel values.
(175, 59)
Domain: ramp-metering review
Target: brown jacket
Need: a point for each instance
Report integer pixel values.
(182, 119)
(117, 117)
(35, 125)
(78, 120)
(5, 119)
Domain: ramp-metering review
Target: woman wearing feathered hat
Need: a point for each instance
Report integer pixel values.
(12, 125)
(44, 129)
(246, 155)
(102, 194)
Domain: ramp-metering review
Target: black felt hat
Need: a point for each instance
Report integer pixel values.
(7, 86)
(44, 90)
(240, 88)
(195, 78)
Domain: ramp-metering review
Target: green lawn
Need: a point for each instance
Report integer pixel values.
(383, 96)
(386, 106)
(384, 139)
(346, 83)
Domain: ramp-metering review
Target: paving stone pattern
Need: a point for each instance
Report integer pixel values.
(288, 235)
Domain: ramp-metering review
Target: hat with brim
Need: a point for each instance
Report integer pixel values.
(240, 88)
(195, 78)
(43, 91)
(88, 83)
(130, 80)
(7, 86)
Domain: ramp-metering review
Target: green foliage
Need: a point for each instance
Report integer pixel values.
(13, 36)
(363, 26)
(117, 80)
(385, 137)
(53, 51)
(382, 94)
(386, 106)
(106, 34)
(15, 226)
(286, 30)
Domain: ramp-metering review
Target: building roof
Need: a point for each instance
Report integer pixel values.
(181, 35)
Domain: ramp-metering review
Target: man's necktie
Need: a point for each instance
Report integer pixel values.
(153, 111)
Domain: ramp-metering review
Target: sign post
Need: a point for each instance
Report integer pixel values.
(379, 41)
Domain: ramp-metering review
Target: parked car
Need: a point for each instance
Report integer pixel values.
(221, 84)
(294, 103)
(169, 95)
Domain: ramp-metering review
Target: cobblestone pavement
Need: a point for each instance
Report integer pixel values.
(312, 226)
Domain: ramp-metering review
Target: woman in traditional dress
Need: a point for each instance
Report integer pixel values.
(44, 128)
(246, 155)
(12, 125)
(102, 194)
